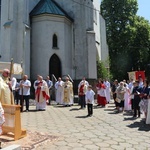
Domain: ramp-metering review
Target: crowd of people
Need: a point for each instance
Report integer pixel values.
(13, 92)
(132, 96)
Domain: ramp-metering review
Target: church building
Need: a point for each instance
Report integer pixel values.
(53, 37)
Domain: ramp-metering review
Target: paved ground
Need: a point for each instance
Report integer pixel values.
(105, 130)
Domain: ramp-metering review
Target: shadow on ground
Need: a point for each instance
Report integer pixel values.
(140, 125)
(81, 117)
(75, 109)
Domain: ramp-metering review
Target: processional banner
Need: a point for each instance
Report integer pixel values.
(135, 75)
(4, 65)
(14, 68)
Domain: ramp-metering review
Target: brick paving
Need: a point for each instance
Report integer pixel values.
(105, 130)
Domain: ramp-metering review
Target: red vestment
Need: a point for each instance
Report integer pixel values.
(101, 98)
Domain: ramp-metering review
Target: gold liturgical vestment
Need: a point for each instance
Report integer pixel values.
(68, 92)
(6, 95)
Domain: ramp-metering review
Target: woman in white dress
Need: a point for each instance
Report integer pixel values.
(127, 103)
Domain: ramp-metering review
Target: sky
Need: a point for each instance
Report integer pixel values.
(144, 9)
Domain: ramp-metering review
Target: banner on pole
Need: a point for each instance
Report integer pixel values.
(135, 75)
(4, 65)
(15, 68)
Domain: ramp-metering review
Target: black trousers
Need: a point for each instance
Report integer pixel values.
(136, 107)
(132, 104)
(26, 98)
(114, 97)
(90, 109)
(82, 100)
(17, 97)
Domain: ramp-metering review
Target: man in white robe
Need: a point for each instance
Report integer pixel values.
(107, 90)
(59, 91)
(41, 93)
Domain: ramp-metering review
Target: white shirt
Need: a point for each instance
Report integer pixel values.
(58, 84)
(83, 81)
(13, 83)
(107, 84)
(130, 85)
(89, 97)
(26, 90)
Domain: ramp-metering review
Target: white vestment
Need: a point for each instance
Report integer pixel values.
(148, 113)
(41, 95)
(59, 92)
(2, 118)
(107, 90)
(127, 103)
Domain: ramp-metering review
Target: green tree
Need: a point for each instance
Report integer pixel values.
(119, 16)
(140, 46)
(102, 70)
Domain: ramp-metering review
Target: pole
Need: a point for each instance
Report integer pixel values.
(70, 78)
(22, 100)
(11, 67)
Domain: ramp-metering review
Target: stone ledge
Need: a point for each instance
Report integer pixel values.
(12, 147)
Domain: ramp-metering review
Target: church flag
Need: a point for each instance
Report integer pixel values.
(135, 75)
(132, 75)
(17, 69)
(140, 74)
(5, 65)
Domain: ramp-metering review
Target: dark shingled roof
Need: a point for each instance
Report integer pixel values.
(48, 7)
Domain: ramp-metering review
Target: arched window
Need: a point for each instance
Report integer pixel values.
(55, 41)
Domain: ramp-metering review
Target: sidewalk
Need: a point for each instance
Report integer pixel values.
(72, 130)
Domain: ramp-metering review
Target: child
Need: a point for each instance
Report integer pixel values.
(89, 96)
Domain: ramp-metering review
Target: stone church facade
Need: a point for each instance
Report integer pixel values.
(53, 37)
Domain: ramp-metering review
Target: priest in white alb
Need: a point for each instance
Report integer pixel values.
(107, 85)
(41, 93)
(59, 91)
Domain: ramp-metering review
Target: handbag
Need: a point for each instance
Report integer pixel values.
(118, 100)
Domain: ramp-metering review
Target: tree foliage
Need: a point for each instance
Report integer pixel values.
(102, 71)
(128, 36)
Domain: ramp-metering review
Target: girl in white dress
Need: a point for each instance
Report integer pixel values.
(127, 103)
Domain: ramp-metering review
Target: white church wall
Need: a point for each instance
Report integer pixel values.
(23, 35)
(104, 46)
(31, 4)
(91, 55)
(6, 19)
(68, 63)
(16, 43)
(96, 14)
(82, 13)
(43, 29)
(72, 38)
